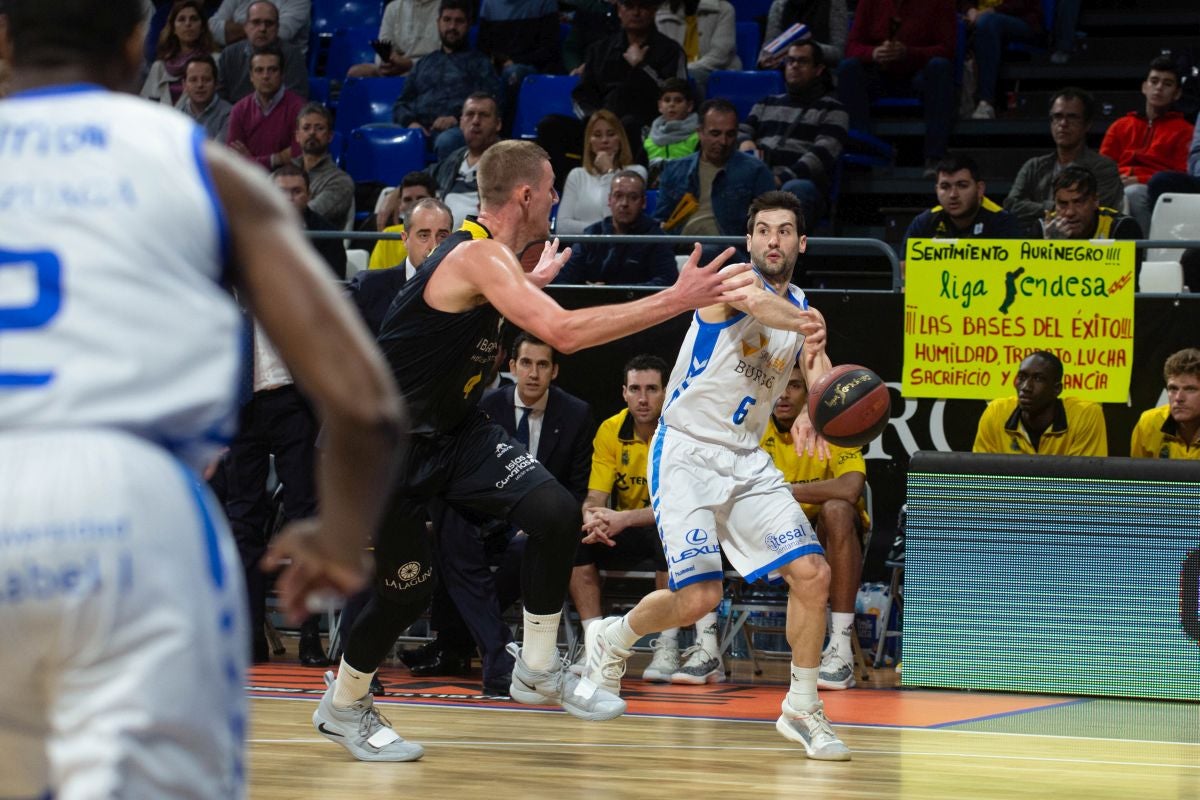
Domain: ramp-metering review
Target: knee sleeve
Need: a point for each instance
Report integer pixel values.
(551, 517)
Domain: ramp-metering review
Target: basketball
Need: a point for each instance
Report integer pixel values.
(849, 405)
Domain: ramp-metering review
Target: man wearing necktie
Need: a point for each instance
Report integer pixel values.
(557, 428)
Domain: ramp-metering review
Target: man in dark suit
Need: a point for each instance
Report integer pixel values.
(557, 427)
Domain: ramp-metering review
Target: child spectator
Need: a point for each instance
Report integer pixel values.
(673, 132)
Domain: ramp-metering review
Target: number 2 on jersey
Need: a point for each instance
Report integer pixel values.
(743, 409)
(42, 270)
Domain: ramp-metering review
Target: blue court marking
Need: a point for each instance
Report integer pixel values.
(1016, 713)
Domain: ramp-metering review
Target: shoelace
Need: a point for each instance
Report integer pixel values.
(823, 728)
(686, 656)
(612, 666)
(371, 721)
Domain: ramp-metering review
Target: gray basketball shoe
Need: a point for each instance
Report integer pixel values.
(361, 729)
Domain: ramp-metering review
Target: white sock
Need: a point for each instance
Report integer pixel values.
(670, 637)
(589, 622)
(622, 635)
(540, 646)
(706, 633)
(350, 686)
(840, 631)
(803, 692)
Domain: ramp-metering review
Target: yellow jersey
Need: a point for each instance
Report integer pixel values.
(619, 463)
(388, 252)
(1156, 435)
(808, 469)
(1077, 430)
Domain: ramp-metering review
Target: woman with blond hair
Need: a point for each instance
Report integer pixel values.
(184, 37)
(606, 152)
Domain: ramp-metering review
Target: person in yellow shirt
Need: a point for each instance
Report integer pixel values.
(1173, 430)
(830, 492)
(1037, 421)
(392, 252)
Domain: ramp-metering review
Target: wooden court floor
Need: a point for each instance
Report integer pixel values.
(720, 741)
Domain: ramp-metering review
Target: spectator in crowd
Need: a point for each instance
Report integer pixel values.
(293, 182)
(262, 125)
(708, 192)
(1173, 430)
(1037, 421)
(410, 28)
(800, 134)
(1077, 213)
(624, 72)
(901, 48)
(455, 174)
(1178, 182)
(993, 26)
(228, 22)
(185, 37)
(826, 21)
(200, 100)
(619, 527)
(1066, 18)
(963, 210)
(591, 21)
(437, 86)
(522, 37)
(262, 32)
(830, 491)
(707, 32)
(606, 151)
(331, 191)
(623, 264)
(413, 187)
(1071, 113)
(1144, 143)
(673, 132)
(426, 223)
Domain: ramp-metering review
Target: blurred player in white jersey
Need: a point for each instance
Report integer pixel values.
(713, 489)
(121, 610)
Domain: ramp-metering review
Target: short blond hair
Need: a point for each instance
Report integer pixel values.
(1184, 362)
(507, 165)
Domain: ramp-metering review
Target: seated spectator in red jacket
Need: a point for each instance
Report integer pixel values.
(262, 124)
(901, 48)
(1144, 143)
(993, 26)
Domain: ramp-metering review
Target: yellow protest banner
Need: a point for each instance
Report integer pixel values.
(974, 308)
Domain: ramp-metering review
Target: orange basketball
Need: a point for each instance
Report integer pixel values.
(849, 405)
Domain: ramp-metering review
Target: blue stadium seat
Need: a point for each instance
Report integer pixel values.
(384, 153)
(541, 95)
(651, 201)
(744, 88)
(366, 100)
(318, 90)
(329, 15)
(749, 42)
(349, 46)
(751, 9)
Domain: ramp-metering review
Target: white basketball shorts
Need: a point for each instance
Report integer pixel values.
(122, 623)
(708, 499)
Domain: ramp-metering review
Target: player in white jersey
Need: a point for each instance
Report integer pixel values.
(121, 609)
(713, 489)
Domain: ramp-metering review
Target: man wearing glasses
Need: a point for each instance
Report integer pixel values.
(800, 134)
(1071, 113)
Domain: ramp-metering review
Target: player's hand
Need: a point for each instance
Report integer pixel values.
(549, 264)
(315, 570)
(710, 285)
(815, 336)
(806, 440)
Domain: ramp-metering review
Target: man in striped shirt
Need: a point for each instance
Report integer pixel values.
(800, 134)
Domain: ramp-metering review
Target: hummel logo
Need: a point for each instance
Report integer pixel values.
(328, 732)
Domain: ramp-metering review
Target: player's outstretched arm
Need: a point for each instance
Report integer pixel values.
(331, 355)
(488, 269)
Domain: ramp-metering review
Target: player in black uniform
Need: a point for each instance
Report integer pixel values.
(441, 338)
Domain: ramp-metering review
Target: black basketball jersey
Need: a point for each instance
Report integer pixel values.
(441, 361)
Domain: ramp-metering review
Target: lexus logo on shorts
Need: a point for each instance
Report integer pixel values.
(696, 536)
(409, 571)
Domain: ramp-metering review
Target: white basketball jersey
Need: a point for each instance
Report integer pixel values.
(112, 249)
(728, 377)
